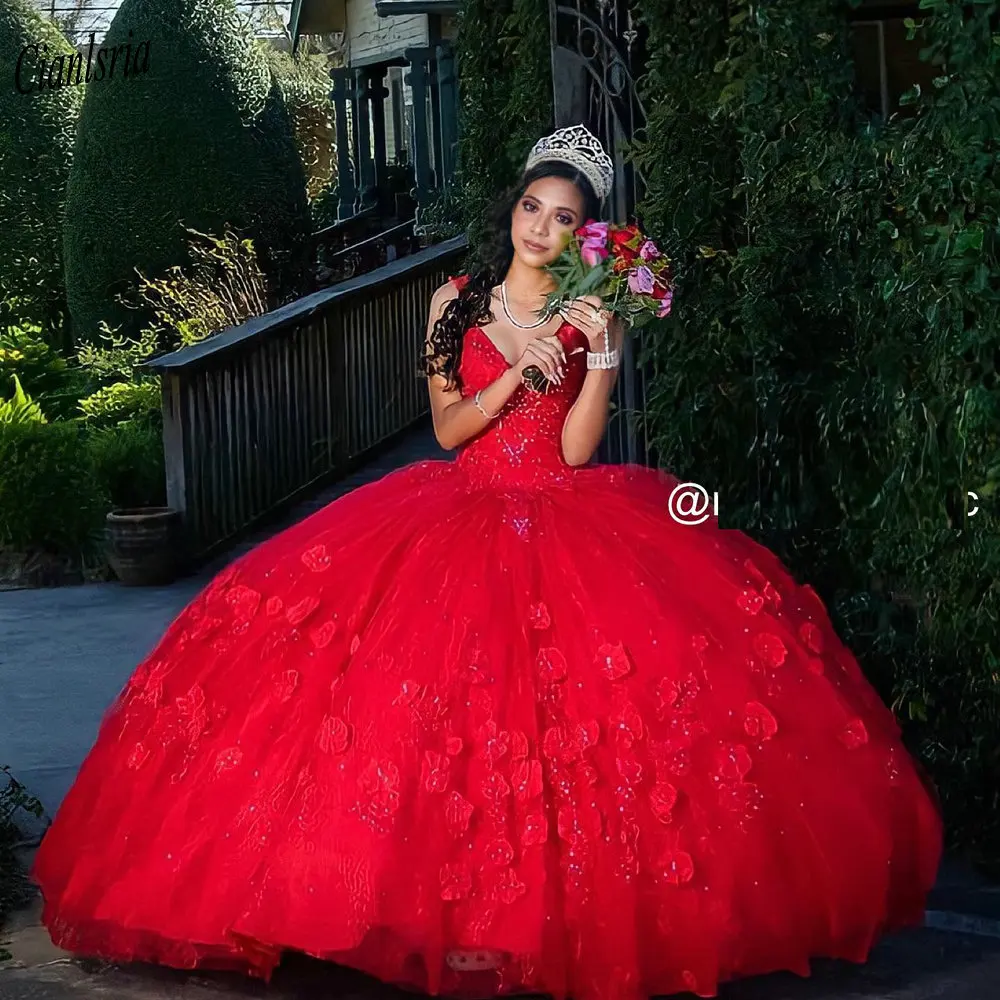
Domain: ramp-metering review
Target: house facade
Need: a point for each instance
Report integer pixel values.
(395, 99)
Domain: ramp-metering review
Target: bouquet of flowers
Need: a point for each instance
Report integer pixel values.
(621, 265)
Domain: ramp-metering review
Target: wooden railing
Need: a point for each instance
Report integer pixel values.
(261, 413)
(366, 254)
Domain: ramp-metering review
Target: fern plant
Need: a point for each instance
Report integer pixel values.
(20, 408)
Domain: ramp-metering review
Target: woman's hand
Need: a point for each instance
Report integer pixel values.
(588, 315)
(546, 353)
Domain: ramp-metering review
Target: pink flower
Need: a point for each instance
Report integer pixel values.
(593, 253)
(595, 232)
(649, 250)
(640, 281)
(664, 307)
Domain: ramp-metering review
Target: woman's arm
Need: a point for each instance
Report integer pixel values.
(588, 417)
(457, 419)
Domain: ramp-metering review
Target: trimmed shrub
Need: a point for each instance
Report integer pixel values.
(128, 462)
(50, 499)
(196, 136)
(36, 149)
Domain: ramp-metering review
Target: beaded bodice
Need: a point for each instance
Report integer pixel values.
(522, 446)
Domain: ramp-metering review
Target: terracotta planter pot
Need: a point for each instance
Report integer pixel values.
(143, 545)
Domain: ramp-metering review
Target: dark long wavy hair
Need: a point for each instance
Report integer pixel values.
(472, 306)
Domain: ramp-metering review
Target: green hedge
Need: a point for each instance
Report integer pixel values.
(50, 499)
(830, 364)
(36, 149)
(499, 40)
(200, 139)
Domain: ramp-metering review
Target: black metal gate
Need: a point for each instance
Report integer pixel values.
(597, 54)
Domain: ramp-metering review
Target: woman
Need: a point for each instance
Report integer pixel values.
(500, 724)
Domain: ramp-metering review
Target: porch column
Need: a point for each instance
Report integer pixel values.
(417, 79)
(362, 140)
(341, 95)
(377, 93)
(448, 113)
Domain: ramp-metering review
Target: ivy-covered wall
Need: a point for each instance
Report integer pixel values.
(505, 96)
(830, 364)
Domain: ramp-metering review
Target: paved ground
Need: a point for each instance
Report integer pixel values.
(64, 655)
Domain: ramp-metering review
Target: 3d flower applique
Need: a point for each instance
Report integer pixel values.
(456, 881)
(614, 660)
(758, 722)
(316, 559)
(551, 664)
(458, 813)
(496, 743)
(334, 735)
(526, 777)
(677, 867)
(854, 734)
(244, 601)
(770, 648)
(499, 852)
(662, 800)
(509, 887)
(228, 759)
(677, 694)
(750, 601)
(301, 610)
(811, 636)
(539, 617)
(286, 684)
(322, 635)
(733, 762)
(435, 771)
(535, 830)
(495, 787)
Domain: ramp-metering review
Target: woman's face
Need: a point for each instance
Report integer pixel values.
(549, 210)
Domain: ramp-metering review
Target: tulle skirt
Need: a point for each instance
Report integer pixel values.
(623, 755)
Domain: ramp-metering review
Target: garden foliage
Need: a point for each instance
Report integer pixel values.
(830, 366)
(200, 139)
(36, 150)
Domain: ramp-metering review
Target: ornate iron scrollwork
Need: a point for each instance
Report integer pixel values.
(597, 49)
(598, 55)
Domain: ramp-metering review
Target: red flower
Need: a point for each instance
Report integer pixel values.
(620, 240)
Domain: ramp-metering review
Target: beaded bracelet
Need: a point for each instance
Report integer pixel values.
(477, 399)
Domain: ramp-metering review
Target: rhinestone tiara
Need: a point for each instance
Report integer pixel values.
(577, 146)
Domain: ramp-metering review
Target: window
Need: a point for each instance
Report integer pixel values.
(886, 64)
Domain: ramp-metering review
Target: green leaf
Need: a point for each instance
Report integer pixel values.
(20, 409)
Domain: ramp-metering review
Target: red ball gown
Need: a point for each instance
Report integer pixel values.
(497, 703)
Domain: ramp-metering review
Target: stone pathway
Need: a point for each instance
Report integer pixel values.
(67, 652)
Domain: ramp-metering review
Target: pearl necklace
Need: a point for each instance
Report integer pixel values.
(506, 311)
